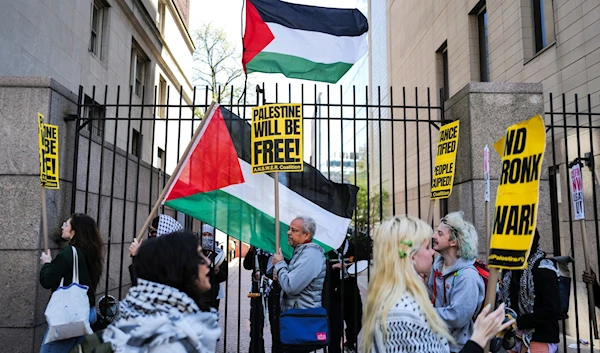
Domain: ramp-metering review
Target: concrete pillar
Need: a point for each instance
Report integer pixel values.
(22, 299)
(485, 110)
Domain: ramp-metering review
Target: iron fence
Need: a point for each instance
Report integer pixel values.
(125, 148)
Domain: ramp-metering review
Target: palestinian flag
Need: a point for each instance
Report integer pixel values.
(301, 41)
(215, 185)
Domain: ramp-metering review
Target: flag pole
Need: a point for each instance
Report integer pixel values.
(276, 178)
(44, 217)
(174, 174)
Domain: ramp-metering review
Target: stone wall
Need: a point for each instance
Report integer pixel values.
(122, 210)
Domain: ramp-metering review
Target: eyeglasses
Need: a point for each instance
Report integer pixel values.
(152, 232)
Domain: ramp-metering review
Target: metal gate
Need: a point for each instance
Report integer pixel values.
(379, 139)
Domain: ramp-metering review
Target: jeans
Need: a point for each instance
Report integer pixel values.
(64, 346)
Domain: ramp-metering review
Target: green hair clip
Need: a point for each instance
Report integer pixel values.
(407, 242)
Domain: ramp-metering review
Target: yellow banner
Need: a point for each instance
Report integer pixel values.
(277, 138)
(48, 148)
(515, 215)
(445, 161)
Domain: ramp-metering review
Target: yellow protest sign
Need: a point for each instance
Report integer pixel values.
(277, 138)
(445, 161)
(515, 215)
(48, 148)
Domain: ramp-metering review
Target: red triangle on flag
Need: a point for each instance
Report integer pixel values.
(256, 36)
(212, 165)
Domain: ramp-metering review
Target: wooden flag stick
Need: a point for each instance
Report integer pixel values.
(174, 174)
(276, 178)
(44, 218)
(590, 288)
(430, 214)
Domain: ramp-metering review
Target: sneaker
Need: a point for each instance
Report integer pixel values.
(349, 348)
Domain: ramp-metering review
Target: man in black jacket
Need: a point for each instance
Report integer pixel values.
(259, 262)
(344, 300)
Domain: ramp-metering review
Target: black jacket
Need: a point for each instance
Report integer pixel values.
(333, 283)
(546, 307)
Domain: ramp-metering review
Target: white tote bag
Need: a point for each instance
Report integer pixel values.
(68, 312)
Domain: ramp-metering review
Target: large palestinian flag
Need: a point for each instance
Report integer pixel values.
(215, 185)
(301, 41)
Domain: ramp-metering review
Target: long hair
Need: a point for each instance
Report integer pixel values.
(87, 239)
(393, 276)
(464, 233)
(172, 260)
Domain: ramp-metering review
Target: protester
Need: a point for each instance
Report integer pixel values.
(218, 272)
(260, 263)
(161, 225)
(590, 277)
(533, 294)
(343, 299)
(398, 314)
(302, 280)
(82, 233)
(164, 312)
(458, 289)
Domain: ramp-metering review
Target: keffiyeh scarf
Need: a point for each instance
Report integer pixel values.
(156, 316)
(526, 292)
(166, 225)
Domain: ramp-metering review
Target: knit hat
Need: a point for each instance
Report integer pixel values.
(166, 225)
(207, 228)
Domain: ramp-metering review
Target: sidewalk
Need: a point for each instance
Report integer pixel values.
(236, 323)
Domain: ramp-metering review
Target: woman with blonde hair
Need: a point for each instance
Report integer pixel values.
(399, 316)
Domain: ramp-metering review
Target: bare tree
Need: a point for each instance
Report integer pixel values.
(217, 62)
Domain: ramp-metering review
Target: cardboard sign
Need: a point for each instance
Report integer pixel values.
(515, 215)
(486, 173)
(48, 148)
(277, 138)
(577, 192)
(443, 173)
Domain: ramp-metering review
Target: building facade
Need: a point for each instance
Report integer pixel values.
(445, 46)
(125, 55)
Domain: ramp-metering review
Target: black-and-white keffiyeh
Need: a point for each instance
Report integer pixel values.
(527, 289)
(166, 225)
(158, 318)
(340, 255)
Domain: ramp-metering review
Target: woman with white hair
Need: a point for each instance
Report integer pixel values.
(458, 289)
(398, 315)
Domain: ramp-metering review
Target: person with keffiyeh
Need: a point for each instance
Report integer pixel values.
(533, 294)
(164, 312)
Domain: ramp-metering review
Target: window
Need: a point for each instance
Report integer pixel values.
(138, 69)
(162, 10)
(484, 58)
(161, 159)
(162, 97)
(93, 115)
(442, 63)
(136, 142)
(543, 23)
(98, 23)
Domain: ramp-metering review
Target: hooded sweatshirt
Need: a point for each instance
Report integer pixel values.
(302, 280)
(458, 294)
